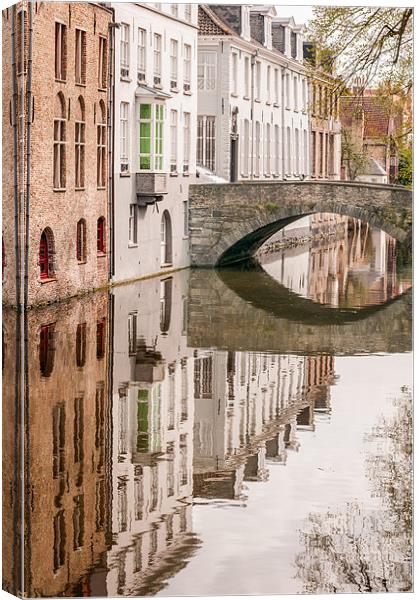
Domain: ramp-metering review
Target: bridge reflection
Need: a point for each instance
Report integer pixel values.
(233, 310)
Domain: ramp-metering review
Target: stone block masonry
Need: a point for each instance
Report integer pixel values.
(229, 222)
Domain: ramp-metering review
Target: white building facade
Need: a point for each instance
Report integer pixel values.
(253, 97)
(155, 123)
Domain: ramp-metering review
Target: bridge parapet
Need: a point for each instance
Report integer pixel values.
(228, 222)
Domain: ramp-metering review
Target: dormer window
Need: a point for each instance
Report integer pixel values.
(293, 44)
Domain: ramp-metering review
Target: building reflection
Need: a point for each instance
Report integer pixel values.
(152, 420)
(355, 267)
(65, 441)
(248, 410)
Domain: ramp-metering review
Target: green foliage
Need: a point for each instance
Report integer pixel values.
(405, 173)
(353, 155)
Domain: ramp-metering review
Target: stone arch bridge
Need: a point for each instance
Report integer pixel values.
(229, 222)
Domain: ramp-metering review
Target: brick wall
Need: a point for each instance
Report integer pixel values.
(59, 210)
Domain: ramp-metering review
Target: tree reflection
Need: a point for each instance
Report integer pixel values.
(365, 550)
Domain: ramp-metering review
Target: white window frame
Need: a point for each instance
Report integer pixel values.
(207, 67)
(186, 142)
(246, 77)
(187, 67)
(156, 121)
(234, 72)
(157, 48)
(124, 136)
(124, 49)
(174, 55)
(141, 54)
(133, 225)
(173, 141)
(206, 141)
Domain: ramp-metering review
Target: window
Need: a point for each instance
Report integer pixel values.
(305, 149)
(151, 123)
(132, 224)
(276, 153)
(297, 152)
(313, 154)
(257, 83)
(257, 150)
(21, 47)
(60, 51)
(141, 54)
(289, 150)
(246, 77)
(173, 63)
(185, 218)
(81, 241)
(276, 90)
(79, 144)
(173, 141)
(188, 13)
(132, 333)
(203, 377)
(78, 522)
(206, 71)
(124, 50)
(101, 146)
(46, 255)
(59, 540)
(321, 162)
(206, 142)
(103, 62)
(157, 59)
(186, 141)
(46, 350)
(166, 239)
(268, 82)
(100, 347)
(187, 50)
(58, 440)
(304, 95)
(295, 93)
(59, 142)
(175, 9)
(78, 429)
(124, 133)
(268, 149)
(293, 45)
(101, 248)
(246, 140)
(165, 304)
(80, 58)
(81, 344)
(234, 68)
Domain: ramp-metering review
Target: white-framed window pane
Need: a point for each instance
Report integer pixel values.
(124, 133)
(132, 225)
(186, 141)
(173, 140)
(157, 58)
(207, 70)
(141, 52)
(124, 50)
(173, 63)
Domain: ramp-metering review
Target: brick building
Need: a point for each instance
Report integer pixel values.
(55, 127)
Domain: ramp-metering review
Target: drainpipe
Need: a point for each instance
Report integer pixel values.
(111, 148)
(26, 457)
(17, 569)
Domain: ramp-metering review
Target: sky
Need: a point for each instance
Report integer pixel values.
(301, 14)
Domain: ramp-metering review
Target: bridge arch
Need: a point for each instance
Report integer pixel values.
(228, 222)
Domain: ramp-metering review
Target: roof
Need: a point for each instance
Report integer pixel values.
(375, 111)
(210, 24)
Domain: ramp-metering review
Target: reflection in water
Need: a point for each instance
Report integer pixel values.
(359, 550)
(154, 413)
(355, 268)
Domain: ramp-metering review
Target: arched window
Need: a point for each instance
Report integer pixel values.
(79, 143)
(100, 339)
(81, 344)
(81, 241)
(101, 146)
(101, 247)
(165, 304)
(46, 350)
(166, 239)
(46, 254)
(59, 142)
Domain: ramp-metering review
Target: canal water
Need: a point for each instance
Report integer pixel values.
(246, 431)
